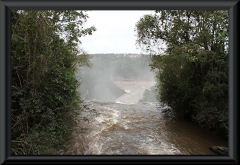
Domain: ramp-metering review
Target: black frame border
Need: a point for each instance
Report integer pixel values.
(5, 75)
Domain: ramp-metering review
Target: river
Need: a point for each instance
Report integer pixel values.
(126, 127)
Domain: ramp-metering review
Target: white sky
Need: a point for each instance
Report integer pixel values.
(115, 31)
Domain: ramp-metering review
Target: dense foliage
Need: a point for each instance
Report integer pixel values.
(189, 51)
(44, 59)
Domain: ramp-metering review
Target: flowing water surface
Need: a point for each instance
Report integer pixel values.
(125, 127)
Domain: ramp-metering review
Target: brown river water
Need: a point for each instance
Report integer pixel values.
(125, 127)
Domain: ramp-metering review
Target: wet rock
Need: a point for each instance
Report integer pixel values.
(85, 106)
(219, 150)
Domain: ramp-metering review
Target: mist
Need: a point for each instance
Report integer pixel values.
(114, 75)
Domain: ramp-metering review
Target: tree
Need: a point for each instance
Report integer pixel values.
(44, 98)
(192, 71)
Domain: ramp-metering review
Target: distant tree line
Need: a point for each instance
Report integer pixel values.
(97, 82)
(192, 71)
(125, 66)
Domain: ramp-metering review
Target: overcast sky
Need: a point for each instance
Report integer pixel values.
(115, 31)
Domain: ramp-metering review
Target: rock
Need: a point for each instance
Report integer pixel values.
(219, 150)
